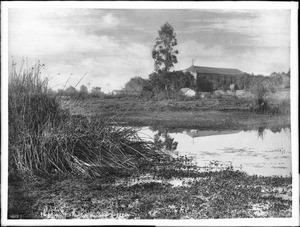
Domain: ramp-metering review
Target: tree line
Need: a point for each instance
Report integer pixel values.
(164, 82)
(82, 92)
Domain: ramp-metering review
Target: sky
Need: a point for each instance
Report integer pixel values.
(113, 45)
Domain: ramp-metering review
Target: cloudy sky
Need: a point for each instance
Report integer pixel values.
(112, 46)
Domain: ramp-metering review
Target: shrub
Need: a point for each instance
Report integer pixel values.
(96, 92)
(266, 106)
(70, 91)
(262, 87)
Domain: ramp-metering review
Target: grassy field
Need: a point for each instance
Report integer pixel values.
(203, 120)
(206, 114)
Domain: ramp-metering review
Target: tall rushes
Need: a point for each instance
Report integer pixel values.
(31, 112)
(92, 148)
(44, 139)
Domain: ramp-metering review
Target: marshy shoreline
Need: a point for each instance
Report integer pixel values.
(64, 162)
(224, 194)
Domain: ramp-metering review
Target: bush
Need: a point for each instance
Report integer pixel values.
(262, 87)
(265, 106)
(96, 93)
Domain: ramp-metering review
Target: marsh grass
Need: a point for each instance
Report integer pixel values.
(45, 139)
(264, 105)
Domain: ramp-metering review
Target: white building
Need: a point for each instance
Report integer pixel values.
(188, 92)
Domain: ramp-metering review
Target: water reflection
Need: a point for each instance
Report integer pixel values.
(261, 131)
(262, 152)
(163, 140)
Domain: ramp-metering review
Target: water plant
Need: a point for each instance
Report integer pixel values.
(46, 139)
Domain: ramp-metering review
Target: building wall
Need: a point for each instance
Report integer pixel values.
(218, 79)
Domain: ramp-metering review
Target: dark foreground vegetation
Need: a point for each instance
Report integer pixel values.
(45, 139)
(64, 163)
(225, 194)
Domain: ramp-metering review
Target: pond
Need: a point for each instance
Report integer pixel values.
(261, 152)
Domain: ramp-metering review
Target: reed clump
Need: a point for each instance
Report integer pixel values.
(266, 106)
(45, 139)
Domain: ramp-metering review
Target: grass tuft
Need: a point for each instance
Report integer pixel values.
(44, 139)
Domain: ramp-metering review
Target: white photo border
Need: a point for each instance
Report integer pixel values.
(293, 6)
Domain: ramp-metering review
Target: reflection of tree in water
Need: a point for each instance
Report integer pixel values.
(261, 131)
(162, 139)
(276, 129)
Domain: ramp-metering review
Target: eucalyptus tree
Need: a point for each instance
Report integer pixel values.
(163, 52)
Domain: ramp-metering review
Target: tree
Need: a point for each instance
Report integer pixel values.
(243, 82)
(158, 82)
(135, 84)
(71, 91)
(83, 92)
(163, 52)
(179, 79)
(148, 90)
(171, 81)
(83, 89)
(96, 92)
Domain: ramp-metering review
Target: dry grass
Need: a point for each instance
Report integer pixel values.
(44, 139)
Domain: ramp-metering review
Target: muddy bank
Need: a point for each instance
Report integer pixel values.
(224, 194)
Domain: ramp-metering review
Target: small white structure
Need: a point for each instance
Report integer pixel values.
(220, 92)
(204, 94)
(188, 92)
(232, 86)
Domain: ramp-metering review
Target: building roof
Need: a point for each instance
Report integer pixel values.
(214, 70)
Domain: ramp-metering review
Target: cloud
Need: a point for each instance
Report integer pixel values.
(193, 48)
(109, 20)
(263, 60)
(201, 54)
(262, 27)
(111, 65)
(36, 35)
(65, 50)
(112, 45)
(253, 40)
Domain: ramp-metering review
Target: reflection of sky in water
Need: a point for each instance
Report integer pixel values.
(267, 155)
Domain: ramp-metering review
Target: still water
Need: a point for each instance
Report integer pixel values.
(261, 152)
